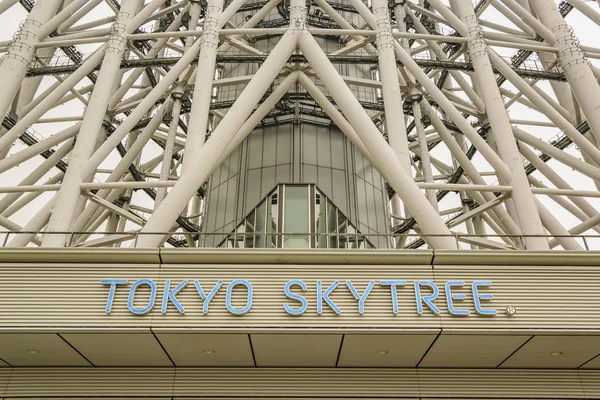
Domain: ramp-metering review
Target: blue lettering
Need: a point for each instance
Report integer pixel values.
(294, 296)
(145, 310)
(170, 295)
(111, 292)
(248, 305)
(210, 296)
(325, 296)
(450, 297)
(393, 285)
(199, 289)
(477, 297)
(428, 300)
(363, 298)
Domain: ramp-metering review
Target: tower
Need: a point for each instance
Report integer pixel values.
(181, 118)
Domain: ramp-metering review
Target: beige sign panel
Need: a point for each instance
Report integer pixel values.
(72, 297)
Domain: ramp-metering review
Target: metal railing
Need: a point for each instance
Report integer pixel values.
(130, 238)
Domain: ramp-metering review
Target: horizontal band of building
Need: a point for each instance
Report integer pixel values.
(219, 383)
(224, 308)
(553, 292)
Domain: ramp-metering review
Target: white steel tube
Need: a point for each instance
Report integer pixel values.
(525, 204)
(390, 86)
(34, 150)
(133, 151)
(335, 116)
(556, 180)
(565, 203)
(29, 197)
(437, 50)
(29, 119)
(563, 157)
(459, 154)
(20, 53)
(36, 224)
(6, 4)
(165, 170)
(545, 107)
(423, 147)
(573, 62)
(209, 154)
(91, 126)
(61, 17)
(209, 42)
(140, 111)
(426, 216)
(83, 11)
(135, 74)
(556, 228)
(40, 171)
(14, 227)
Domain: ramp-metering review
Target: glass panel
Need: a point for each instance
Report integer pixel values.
(272, 215)
(249, 242)
(351, 237)
(342, 224)
(332, 225)
(320, 212)
(259, 240)
(296, 216)
(238, 238)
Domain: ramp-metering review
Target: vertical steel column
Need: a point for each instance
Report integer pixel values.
(209, 42)
(392, 97)
(20, 53)
(524, 199)
(390, 86)
(573, 62)
(91, 125)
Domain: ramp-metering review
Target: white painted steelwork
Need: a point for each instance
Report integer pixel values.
(466, 141)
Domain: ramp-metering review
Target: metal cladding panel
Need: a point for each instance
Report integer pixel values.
(591, 383)
(79, 255)
(91, 382)
(306, 383)
(297, 382)
(545, 297)
(51, 296)
(296, 256)
(4, 379)
(267, 310)
(69, 297)
(476, 383)
(516, 257)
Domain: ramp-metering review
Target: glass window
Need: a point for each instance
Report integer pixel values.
(260, 227)
(342, 224)
(351, 237)
(314, 221)
(332, 225)
(272, 220)
(296, 216)
(321, 222)
(249, 242)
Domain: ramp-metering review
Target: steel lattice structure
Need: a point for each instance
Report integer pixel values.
(114, 121)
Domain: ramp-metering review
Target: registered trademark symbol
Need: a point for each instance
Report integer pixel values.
(510, 310)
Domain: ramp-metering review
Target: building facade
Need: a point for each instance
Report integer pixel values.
(292, 199)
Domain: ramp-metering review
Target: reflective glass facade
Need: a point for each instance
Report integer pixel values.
(296, 216)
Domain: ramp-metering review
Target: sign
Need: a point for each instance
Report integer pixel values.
(425, 292)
